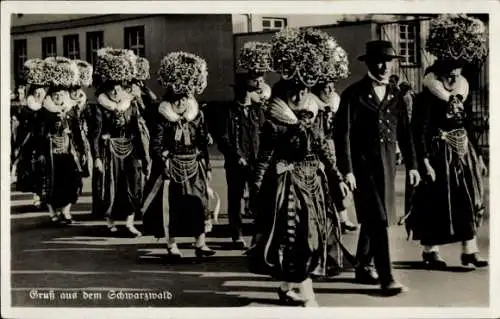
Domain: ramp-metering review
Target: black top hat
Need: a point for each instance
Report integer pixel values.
(379, 50)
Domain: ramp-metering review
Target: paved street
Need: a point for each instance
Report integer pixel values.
(84, 258)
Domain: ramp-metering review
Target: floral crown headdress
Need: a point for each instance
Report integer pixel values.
(255, 57)
(115, 65)
(61, 72)
(308, 56)
(33, 72)
(86, 71)
(457, 37)
(183, 73)
(142, 69)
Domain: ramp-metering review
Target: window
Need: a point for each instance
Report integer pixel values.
(134, 40)
(49, 47)
(20, 57)
(273, 24)
(71, 46)
(95, 41)
(408, 44)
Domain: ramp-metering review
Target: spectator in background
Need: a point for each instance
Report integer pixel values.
(407, 92)
(394, 80)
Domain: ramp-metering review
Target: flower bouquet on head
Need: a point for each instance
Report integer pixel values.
(115, 65)
(183, 73)
(33, 72)
(61, 72)
(86, 71)
(458, 37)
(256, 57)
(142, 69)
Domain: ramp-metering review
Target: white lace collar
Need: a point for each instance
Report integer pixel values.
(104, 100)
(192, 110)
(436, 87)
(281, 111)
(35, 101)
(50, 106)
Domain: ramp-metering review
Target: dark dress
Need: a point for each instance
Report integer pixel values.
(25, 147)
(449, 209)
(184, 207)
(60, 143)
(119, 141)
(295, 208)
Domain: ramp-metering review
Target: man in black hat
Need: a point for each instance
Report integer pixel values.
(371, 119)
(240, 144)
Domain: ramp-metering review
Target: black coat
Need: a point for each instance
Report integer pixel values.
(366, 133)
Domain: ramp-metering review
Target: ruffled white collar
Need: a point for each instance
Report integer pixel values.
(52, 107)
(436, 87)
(334, 102)
(104, 100)
(35, 101)
(262, 95)
(281, 111)
(165, 108)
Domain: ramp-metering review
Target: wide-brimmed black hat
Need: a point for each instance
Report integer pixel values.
(379, 50)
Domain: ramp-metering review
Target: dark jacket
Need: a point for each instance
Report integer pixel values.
(366, 133)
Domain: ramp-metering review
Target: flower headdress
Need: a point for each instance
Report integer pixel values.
(33, 72)
(307, 56)
(85, 70)
(117, 65)
(183, 73)
(255, 57)
(61, 72)
(142, 69)
(458, 37)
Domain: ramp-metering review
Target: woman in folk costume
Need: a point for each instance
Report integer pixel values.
(328, 101)
(25, 146)
(146, 98)
(79, 100)
(60, 141)
(449, 207)
(177, 190)
(117, 142)
(293, 197)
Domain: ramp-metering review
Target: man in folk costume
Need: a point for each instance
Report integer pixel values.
(177, 192)
(371, 119)
(289, 188)
(117, 141)
(79, 99)
(25, 146)
(449, 207)
(328, 101)
(240, 141)
(60, 140)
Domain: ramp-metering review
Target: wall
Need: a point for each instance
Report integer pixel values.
(209, 36)
(352, 37)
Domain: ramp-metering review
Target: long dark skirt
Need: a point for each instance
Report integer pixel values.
(118, 189)
(296, 243)
(65, 182)
(186, 204)
(449, 210)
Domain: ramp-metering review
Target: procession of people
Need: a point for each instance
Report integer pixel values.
(296, 155)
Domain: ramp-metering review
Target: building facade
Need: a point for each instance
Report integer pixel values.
(150, 36)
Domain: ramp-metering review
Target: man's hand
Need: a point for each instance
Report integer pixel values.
(350, 181)
(98, 165)
(414, 177)
(242, 162)
(344, 189)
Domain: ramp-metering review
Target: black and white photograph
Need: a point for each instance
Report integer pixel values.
(202, 158)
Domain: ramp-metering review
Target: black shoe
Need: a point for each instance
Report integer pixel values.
(66, 221)
(474, 259)
(290, 297)
(366, 277)
(432, 260)
(392, 289)
(240, 244)
(347, 227)
(201, 252)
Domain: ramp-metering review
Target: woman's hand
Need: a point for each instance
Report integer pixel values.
(344, 189)
(430, 170)
(482, 166)
(209, 176)
(98, 165)
(351, 181)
